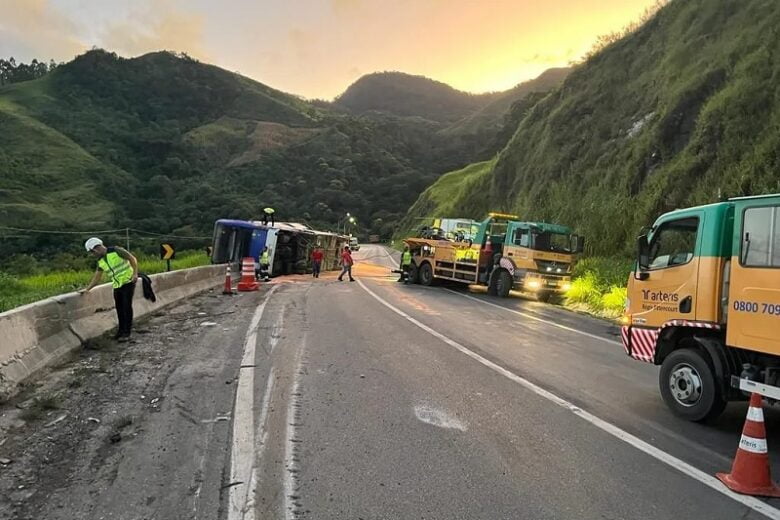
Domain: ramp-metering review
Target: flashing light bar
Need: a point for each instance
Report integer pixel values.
(503, 215)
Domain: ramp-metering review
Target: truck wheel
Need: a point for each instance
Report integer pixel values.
(503, 284)
(492, 285)
(426, 274)
(688, 386)
(413, 275)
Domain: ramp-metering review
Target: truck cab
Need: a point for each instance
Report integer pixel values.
(540, 257)
(704, 303)
(504, 254)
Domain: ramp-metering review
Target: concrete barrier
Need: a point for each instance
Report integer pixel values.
(43, 333)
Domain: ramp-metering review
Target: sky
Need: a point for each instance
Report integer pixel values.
(317, 48)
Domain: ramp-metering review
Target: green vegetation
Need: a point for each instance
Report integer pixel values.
(408, 95)
(455, 194)
(166, 144)
(599, 286)
(676, 111)
(42, 282)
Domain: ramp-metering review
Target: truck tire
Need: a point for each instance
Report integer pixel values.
(426, 274)
(688, 386)
(503, 283)
(492, 289)
(413, 276)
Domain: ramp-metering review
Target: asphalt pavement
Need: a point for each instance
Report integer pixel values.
(320, 399)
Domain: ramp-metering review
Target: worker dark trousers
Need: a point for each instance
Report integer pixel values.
(315, 268)
(123, 298)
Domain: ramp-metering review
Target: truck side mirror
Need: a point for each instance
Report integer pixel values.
(642, 258)
(578, 243)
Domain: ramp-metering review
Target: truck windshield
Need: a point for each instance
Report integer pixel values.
(557, 242)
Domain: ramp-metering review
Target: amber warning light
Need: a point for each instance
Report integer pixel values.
(503, 215)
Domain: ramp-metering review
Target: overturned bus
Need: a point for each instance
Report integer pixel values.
(289, 245)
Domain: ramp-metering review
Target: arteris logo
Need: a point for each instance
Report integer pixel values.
(660, 296)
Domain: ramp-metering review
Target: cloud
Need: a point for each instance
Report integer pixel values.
(157, 29)
(35, 28)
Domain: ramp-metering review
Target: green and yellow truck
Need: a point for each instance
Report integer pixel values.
(704, 304)
(504, 254)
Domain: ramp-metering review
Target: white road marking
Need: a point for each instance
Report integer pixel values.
(290, 451)
(660, 455)
(536, 318)
(243, 443)
(437, 417)
(249, 513)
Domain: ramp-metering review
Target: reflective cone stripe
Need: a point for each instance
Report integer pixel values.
(248, 282)
(752, 444)
(750, 473)
(228, 289)
(755, 414)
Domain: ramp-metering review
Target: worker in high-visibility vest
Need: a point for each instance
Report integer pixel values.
(122, 267)
(406, 265)
(265, 264)
(268, 213)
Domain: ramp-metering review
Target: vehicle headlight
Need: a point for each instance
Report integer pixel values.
(566, 286)
(534, 284)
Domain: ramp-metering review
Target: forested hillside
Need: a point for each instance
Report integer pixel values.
(168, 144)
(682, 111)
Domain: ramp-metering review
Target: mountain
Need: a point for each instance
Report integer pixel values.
(682, 111)
(168, 144)
(490, 117)
(407, 95)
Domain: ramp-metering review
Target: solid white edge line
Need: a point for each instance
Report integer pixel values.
(290, 478)
(243, 439)
(249, 509)
(670, 460)
(532, 317)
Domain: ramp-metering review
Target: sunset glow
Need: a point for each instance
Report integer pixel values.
(316, 48)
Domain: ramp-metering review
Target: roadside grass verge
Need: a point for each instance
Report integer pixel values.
(599, 286)
(18, 290)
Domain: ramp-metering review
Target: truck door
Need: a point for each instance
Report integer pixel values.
(754, 292)
(669, 288)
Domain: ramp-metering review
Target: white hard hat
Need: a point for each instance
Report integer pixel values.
(92, 242)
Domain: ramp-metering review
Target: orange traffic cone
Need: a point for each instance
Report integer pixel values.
(228, 282)
(248, 282)
(750, 473)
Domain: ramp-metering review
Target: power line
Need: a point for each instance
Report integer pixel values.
(53, 232)
(121, 232)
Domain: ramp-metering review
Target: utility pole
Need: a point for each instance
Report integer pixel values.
(127, 238)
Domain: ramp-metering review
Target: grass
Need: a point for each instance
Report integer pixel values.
(455, 194)
(599, 286)
(20, 290)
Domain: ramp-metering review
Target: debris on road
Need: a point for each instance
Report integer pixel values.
(5, 461)
(217, 419)
(208, 324)
(94, 420)
(55, 421)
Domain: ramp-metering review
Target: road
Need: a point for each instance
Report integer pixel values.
(366, 400)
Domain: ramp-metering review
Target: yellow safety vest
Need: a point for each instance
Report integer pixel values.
(406, 258)
(118, 268)
(264, 258)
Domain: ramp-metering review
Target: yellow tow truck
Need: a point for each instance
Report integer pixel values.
(504, 254)
(704, 304)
